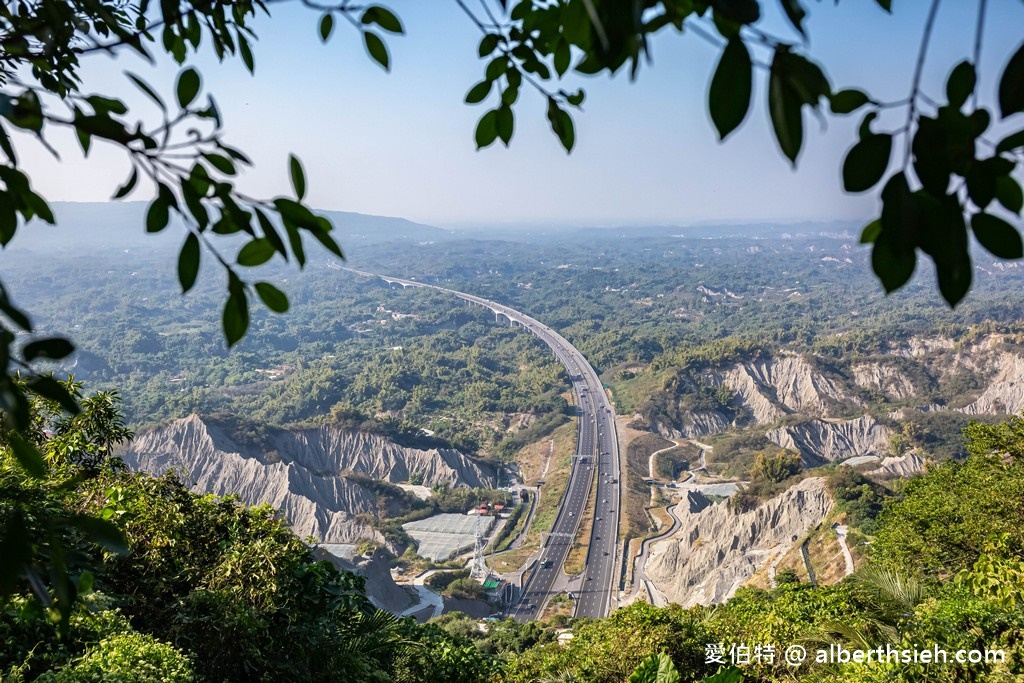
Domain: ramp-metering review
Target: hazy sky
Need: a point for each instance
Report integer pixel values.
(401, 144)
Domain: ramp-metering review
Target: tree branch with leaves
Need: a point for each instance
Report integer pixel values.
(954, 181)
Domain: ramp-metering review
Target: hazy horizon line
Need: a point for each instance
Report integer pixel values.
(554, 223)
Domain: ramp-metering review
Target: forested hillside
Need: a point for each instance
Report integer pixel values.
(652, 301)
(201, 588)
(763, 361)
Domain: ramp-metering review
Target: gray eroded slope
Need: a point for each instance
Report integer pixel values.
(715, 551)
(307, 480)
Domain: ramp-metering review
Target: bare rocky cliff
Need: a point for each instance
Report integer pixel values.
(772, 387)
(715, 550)
(830, 396)
(903, 466)
(306, 479)
(764, 390)
(820, 441)
(887, 380)
(1004, 395)
(694, 424)
(327, 449)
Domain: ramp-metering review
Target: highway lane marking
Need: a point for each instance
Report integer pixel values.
(564, 352)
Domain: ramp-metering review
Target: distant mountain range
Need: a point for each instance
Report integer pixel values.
(89, 226)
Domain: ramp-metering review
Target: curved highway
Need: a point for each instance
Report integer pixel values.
(597, 455)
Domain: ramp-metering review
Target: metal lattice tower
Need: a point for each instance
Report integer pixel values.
(478, 570)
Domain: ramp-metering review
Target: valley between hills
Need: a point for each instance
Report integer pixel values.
(758, 428)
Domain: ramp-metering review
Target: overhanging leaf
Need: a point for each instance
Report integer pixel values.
(729, 97)
(52, 348)
(960, 84)
(16, 315)
(893, 267)
(563, 57)
(981, 185)
(102, 532)
(246, 53)
(273, 297)
(158, 215)
(188, 262)
(51, 389)
(8, 219)
(784, 109)
(129, 184)
(256, 252)
(561, 125)
(847, 101)
(235, 318)
(795, 13)
(188, 87)
(27, 455)
(221, 163)
(383, 17)
(866, 162)
(954, 280)
(16, 549)
(297, 176)
(478, 93)
(1011, 142)
(270, 232)
(1011, 85)
(505, 123)
(1009, 194)
(871, 232)
(326, 27)
(323, 236)
(146, 89)
(997, 236)
(740, 11)
(486, 129)
(377, 50)
(488, 44)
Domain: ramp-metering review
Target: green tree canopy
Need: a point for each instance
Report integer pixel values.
(954, 172)
(954, 178)
(960, 511)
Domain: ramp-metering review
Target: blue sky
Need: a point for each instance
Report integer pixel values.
(401, 144)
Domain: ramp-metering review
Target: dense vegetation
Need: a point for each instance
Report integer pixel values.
(393, 361)
(946, 569)
(400, 362)
(207, 589)
(652, 311)
(189, 587)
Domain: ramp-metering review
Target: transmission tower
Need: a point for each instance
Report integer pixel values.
(478, 570)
